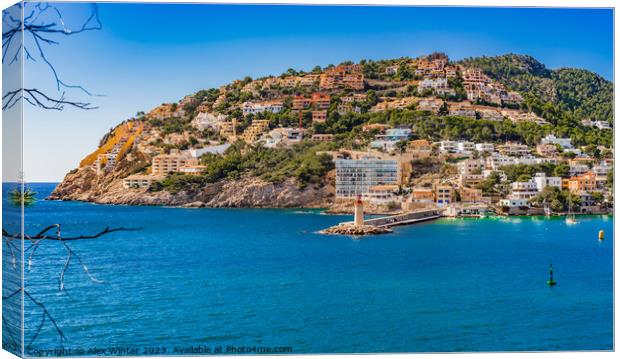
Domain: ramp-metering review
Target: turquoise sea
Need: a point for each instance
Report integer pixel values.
(264, 278)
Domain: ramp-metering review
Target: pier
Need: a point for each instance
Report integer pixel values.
(402, 219)
(362, 226)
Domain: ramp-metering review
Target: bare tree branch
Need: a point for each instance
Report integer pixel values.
(40, 28)
(36, 241)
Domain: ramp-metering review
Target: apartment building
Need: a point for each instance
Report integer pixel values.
(319, 116)
(470, 195)
(169, 163)
(485, 147)
(420, 148)
(309, 80)
(355, 176)
(344, 108)
(546, 150)
(139, 181)
(513, 149)
(542, 180)
(444, 195)
(471, 166)
(523, 190)
(301, 102)
(358, 97)
(258, 107)
(391, 70)
(490, 114)
(432, 105)
(585, 182)
(552, 140)
(438, 85)
(475, 76)
(228, 129)
(322, 137)
(382, 194)
(255, 130)
(348, 76)
(391, 137)
(496, 161)
(470, 179)
(321, 100)
(465, 147)
(448, 146)
(192, 169)
(205, 120)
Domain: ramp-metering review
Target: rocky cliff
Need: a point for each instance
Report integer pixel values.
(85, 185)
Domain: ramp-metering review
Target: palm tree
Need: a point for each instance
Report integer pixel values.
(28, 196)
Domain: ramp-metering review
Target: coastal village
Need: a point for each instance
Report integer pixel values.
(390, 168)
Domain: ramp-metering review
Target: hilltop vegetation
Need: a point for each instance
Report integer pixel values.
(273, 165)
(561, 95)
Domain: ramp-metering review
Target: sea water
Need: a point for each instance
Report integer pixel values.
(260, 278)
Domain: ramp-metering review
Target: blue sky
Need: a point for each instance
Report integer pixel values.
(147, 54)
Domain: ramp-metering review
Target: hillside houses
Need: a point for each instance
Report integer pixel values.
(412, 155)
(430, 104)
(601, 125)
(479, 86)
(346, 76)
(438, 86)
(258, 107)
(205, 120)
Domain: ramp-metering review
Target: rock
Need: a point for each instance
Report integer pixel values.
(350, 229)
(196, 204)
(248, 192)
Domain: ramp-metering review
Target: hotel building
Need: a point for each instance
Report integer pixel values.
(355, 177)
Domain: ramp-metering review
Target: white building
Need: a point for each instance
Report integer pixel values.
(513, 202)
(465, 147)
(392, 136)
(283, 136)
(258, 107)
(529, 160)
(216, 150)
(447, 146)
(502, 175)
(513, 149)
(470, 166)
(603, 125)
(578, 169)
(542, 181)
(497, 161)
(439, 85)
(205, 120)
(523, 190)
(601, 169)
(391, 70)
(138, 181)
(551, 139)
(485, 147)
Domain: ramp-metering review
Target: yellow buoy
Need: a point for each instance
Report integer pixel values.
(601, 235)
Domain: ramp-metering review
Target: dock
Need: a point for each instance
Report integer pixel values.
(402, 219)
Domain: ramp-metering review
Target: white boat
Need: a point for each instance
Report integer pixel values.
(547, 210)
(570, 217)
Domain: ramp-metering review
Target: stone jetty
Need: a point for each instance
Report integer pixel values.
(350, 229)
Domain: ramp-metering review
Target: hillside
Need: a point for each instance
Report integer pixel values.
(583, 93)
(282, 133)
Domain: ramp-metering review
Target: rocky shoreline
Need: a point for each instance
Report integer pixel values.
(350, 229)
(250, 192)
